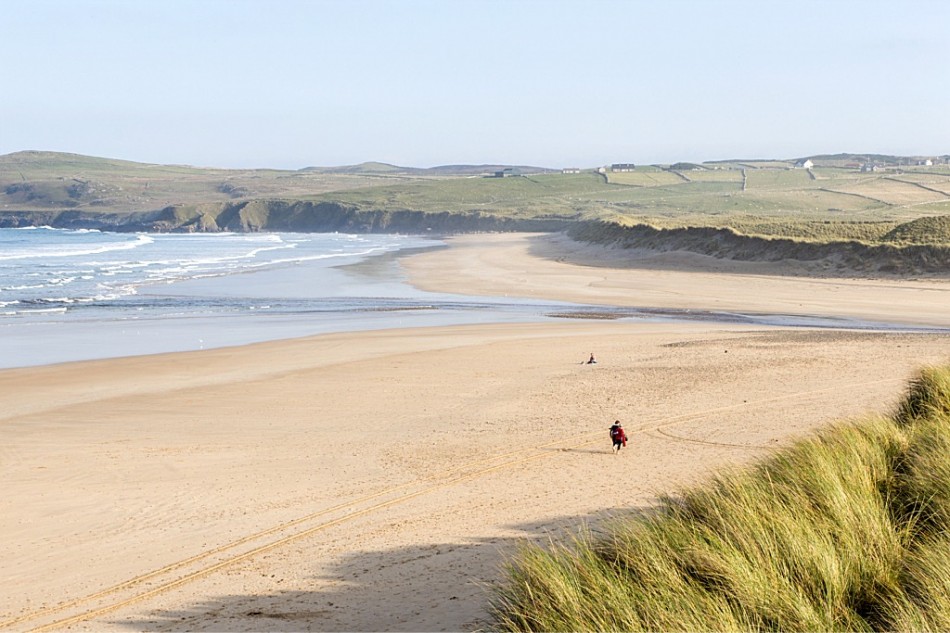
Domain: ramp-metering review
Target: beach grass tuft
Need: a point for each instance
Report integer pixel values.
(847, 530)
(928, 396)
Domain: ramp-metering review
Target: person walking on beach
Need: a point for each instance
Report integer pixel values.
(617, 436)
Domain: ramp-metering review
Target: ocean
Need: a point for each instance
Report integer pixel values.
(70, 295)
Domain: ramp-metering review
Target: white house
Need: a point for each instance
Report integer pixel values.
(804, 164)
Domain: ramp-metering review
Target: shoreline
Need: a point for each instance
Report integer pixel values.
(434, 283)
(377, 480)
(286, 301)
(547, 266)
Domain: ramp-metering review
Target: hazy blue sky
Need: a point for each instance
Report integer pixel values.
(280, 83)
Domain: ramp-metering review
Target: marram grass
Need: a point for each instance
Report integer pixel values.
(927, 395)
(846, 531)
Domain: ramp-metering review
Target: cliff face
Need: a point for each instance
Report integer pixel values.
(280, 215)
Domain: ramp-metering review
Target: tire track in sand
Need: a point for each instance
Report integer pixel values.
(108, 600)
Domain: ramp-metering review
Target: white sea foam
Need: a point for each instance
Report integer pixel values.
(78, 251)
(24, 287)
(47, 227)
(60, 281)
(43, 311)
(334, 255)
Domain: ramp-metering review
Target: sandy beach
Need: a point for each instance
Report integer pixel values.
(378, 480)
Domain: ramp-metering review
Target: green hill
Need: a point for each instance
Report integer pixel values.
(704, 195)
(831, 203)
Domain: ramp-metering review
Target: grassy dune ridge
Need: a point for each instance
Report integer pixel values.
(831, 252)
(844, 531)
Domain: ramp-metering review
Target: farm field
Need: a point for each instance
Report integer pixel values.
(772, 196)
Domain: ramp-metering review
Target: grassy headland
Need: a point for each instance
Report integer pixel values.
(845, 531)
(771, 196)
(889, 211)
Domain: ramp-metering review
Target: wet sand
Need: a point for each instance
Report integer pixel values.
(377, 480)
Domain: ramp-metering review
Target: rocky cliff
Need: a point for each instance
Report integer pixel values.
(280, 215)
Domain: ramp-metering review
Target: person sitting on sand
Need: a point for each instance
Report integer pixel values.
(591, 360)
(618, 436)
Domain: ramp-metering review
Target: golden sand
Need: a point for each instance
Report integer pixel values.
(377, 480)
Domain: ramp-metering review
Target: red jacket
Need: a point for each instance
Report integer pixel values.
(617, 434)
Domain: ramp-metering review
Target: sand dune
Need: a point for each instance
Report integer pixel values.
(376, 481)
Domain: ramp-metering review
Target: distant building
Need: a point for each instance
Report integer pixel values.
(508, 172)
(571, 170)
(872, 167)
(804, 164)
(623, 167)
(925, 163)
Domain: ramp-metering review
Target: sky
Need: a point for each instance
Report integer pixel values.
(554, 83)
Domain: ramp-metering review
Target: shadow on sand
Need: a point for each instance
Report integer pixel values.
(434, 587)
